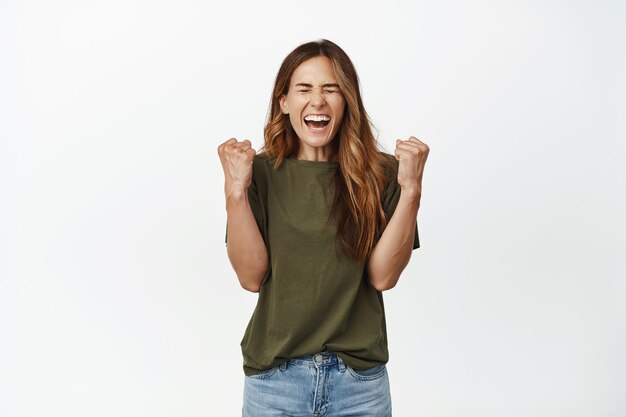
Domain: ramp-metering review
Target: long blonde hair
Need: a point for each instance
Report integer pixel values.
(360, 178)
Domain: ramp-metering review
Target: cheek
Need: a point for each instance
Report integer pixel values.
(340, 106)
(295, 107)
(340, 112)
(294, 119)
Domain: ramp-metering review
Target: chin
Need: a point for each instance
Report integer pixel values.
(316, 142)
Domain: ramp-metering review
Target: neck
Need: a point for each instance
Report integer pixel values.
(322, 154)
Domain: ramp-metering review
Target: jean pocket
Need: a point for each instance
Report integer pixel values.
(265, 373)
(368, 374)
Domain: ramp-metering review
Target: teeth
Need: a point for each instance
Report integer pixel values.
(317, 118)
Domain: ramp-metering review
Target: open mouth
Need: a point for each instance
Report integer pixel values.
(317, 122)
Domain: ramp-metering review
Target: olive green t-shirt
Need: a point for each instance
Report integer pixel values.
(312, 298)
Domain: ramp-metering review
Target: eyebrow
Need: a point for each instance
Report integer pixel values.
(311, 86)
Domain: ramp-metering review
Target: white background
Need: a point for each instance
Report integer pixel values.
(116, 294)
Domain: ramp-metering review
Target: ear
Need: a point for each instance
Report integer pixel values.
(283, 104)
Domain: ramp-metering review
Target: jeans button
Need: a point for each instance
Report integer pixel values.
(318, 358)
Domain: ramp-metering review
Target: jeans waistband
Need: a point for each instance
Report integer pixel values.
(324, 358)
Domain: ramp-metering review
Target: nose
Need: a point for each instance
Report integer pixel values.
(317, 97)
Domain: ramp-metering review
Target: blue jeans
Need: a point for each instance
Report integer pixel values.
(319, 385)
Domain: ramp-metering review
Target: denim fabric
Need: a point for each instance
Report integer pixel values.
(320, 385)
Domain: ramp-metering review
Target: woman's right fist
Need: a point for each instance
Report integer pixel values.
(236, 158)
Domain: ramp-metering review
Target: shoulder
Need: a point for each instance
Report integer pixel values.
(262, 158)
(262, 162)
(263, 168)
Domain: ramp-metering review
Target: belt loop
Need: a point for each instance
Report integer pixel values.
(283, 366)
(342, 365)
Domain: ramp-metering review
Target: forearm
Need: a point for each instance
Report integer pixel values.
(393, 251)
(245, 246)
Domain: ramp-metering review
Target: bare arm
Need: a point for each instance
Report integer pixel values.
(244, 244)
(393, 251)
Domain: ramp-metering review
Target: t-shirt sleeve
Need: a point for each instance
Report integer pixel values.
(255, 204)
(392, 196)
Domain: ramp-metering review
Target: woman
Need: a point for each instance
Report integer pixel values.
(319, 224)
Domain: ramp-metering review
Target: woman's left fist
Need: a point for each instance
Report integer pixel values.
(412, 155)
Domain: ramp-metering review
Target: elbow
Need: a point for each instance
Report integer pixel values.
(382, 279)
(250, 286)
(252, 281)
(384, 287)
(250, 274)
(383, 283)
(384, 270)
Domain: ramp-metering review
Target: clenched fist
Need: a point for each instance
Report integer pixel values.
(236, 158)
(412, 155)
